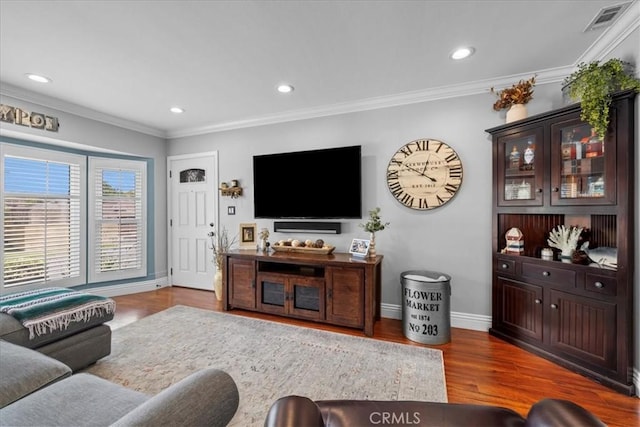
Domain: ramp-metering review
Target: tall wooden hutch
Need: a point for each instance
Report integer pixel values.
(550, 170)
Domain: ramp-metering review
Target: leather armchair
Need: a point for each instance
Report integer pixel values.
(295, 411)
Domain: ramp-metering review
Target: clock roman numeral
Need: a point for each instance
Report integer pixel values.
(422, 203)
(396, 162)
(406, 150)
(422, 144)
(451, 189)
(440, 200)
(439, 147)
(455, 172)
(451, 157)
(391, 175)
(395, 188)
(407, 199)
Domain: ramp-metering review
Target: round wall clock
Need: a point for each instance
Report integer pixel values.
(424, 174)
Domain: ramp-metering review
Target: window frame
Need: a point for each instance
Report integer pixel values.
(40, 154)
(140, 166)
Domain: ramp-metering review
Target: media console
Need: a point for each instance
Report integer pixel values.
(335, 289)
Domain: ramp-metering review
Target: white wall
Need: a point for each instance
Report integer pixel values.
(454, 239)
(86, 134)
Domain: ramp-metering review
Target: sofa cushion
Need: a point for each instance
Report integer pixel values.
(12, 330)
(23, 371)
(80, 400)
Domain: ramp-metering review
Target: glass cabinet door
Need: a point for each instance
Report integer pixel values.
(582, 165)
(520, 169)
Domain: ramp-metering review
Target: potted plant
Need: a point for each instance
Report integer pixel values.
(514, 99)
(372, 226)
(593, 84)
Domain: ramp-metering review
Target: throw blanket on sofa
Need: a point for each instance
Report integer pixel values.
(50, 309)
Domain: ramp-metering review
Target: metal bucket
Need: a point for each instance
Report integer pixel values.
(426, 313)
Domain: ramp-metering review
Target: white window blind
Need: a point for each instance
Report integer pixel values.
(117, 212)
(42, 218)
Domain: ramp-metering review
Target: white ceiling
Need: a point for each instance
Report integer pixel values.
(127, 62)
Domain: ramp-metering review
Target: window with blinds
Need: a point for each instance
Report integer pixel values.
(42, 218)
(117, 212)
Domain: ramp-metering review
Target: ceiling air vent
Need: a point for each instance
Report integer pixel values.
(607, 16)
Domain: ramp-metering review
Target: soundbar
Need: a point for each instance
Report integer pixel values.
(307, 227)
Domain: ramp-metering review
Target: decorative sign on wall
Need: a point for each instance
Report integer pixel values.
(22, 117)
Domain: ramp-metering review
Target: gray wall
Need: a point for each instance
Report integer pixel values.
(454, 239)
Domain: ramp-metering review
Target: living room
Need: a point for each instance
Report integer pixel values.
(455, 239)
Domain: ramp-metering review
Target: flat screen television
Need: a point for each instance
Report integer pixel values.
(314, 184)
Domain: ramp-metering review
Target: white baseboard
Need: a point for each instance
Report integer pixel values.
(636, 380)
(474, 322)
(130, 288)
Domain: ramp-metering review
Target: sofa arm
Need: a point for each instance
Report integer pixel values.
(558, 412)
(294, 411)
(208, 397)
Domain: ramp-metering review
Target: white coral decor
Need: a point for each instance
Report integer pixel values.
(565, 239)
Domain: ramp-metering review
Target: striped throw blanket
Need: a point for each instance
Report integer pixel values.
(51, 309)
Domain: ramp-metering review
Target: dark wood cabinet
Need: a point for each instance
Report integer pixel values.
(335, 288)
(345, 296)
(579, 315)
(242, 279)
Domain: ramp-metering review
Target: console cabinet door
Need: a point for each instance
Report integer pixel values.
(306, 297)
(272, 293)
(518, 309)
(583, 328)
(345, 296)
(242, 283)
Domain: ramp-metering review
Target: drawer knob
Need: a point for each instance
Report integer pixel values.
(505, 266)
(537, 301)
(556, 189)
(554, 306)
(539, 190)
(546, 274)
(599, 285)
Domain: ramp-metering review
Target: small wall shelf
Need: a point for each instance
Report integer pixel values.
(234, 192)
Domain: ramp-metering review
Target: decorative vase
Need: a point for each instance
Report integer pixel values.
(516, 112)
(372, 245)
(217, 284)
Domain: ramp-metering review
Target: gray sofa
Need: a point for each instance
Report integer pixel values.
(38, 390)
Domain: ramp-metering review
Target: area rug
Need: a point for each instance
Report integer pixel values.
(268, 360)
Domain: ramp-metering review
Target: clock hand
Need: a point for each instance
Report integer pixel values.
(420, 173)
(426, 162)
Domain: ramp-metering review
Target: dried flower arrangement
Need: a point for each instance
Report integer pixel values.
(519, 93)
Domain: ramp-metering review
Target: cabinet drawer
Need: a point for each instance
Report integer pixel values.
(505, 266)
(600, 284)
(548, 274)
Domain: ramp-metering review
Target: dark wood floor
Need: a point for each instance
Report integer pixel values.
(478, 367)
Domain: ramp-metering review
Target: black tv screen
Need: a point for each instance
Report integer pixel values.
(316, 184)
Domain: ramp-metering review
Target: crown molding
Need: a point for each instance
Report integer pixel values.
(78, 110)
(444, 92)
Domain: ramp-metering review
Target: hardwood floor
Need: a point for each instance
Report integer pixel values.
(478, 367)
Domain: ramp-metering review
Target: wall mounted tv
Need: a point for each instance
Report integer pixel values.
(314, 184)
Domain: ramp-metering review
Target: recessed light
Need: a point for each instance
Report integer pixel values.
(285, 88)
(38, 78)
(176, 110)
(461, 53)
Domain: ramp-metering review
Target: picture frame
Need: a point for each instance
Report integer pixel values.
(248, 236)
(359, 247)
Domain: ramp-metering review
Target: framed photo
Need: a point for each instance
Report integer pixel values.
(248, 236)
(359, 247)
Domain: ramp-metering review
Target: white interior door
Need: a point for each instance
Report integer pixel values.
(192, 208)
